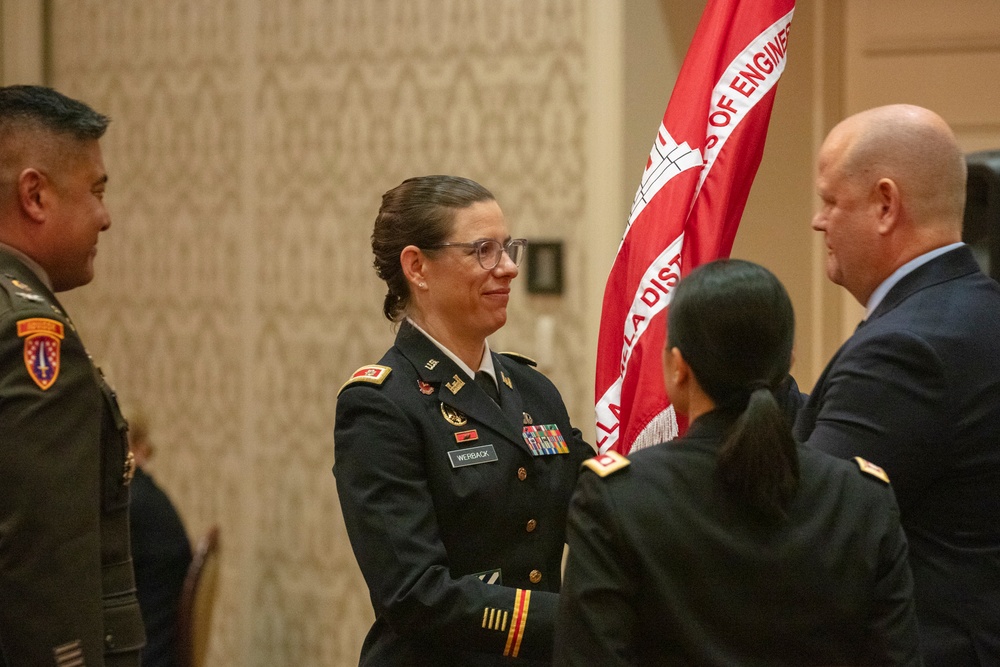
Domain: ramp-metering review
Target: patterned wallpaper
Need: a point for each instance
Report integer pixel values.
(250, 144)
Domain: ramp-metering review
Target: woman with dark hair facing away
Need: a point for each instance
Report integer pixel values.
(454, 464)
(732, 545)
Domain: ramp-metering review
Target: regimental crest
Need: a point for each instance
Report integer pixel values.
(42, 344)
(506, 380)
(453, 416)
(425, 388)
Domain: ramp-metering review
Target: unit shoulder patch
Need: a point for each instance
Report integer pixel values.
(520, 358)
(607, 463)
(870, 468)
(42, 342)
(373, 374)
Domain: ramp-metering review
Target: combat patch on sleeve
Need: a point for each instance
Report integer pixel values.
(607, 463)
(870, 468)
(372, 373)
(528, 361)
(42, 340)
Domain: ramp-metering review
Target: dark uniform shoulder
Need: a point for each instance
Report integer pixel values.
(18, 297)
(607, 463)
(872, 470)
(373, 374)
(520, 358)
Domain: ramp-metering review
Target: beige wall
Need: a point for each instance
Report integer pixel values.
(251, 142)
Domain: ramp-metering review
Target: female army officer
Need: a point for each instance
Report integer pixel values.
(454, 464)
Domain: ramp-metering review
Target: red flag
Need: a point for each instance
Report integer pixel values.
(688, 206)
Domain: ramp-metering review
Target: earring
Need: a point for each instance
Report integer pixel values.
(423, 285)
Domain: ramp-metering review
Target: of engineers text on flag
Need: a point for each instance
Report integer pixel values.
(687, 208)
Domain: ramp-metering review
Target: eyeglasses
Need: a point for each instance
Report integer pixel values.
(489, 251)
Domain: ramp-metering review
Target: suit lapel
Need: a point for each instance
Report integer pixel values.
(458, 390)
(953, 264)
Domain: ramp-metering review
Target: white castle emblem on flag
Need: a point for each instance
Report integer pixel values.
(667, 159)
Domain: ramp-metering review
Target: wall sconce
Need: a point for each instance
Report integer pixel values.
(545, 267)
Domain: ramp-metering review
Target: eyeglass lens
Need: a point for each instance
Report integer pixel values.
(490, 252)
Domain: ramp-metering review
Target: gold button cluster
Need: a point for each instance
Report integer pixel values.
(535, 576)
(522, 473)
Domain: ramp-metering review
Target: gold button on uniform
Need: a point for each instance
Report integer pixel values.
(532, 524)
(535, 576)
(522, 474)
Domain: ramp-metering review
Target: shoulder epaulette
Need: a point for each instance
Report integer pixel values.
(607, 463)
(19, 295)
(373, 373)
(520, 358)
(870, 468)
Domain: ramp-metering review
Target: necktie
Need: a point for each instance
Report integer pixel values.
(484, 380)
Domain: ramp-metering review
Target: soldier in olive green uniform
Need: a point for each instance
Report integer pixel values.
(67, 593)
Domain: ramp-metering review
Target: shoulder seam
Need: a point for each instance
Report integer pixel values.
(520, 358)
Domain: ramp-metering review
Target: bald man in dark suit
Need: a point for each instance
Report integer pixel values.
(916, 389)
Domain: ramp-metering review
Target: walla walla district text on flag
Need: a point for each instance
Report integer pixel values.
(688, 206)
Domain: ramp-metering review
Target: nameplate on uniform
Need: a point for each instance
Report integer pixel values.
(544, 439)
(470, 456)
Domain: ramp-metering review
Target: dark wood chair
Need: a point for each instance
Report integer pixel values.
(194, 610)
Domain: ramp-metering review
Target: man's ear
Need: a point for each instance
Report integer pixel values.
(32, 193)
(888, 200)
(412, 260)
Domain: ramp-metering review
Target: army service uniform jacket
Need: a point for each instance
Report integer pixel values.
(455, 506)
(664, 568)
(67, 594)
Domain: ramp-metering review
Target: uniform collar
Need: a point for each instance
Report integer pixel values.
(485, 364)
(433, 366)
(32, 265)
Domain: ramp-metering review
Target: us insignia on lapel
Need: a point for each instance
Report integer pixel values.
(42, 343)
(506, 380)
(431, 363)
